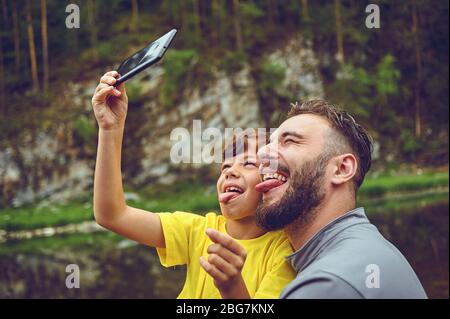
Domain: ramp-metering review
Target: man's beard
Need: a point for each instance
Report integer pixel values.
(304, 195)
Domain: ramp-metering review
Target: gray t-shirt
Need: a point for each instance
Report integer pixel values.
(349, 258)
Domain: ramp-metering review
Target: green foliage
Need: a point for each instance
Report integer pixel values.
(402, 204)
(363, 91)
(352, 89)
(233, 61)
(272, 75)
(387, 76)
(377, 186)
(379, 82)
(87, 56)
(84, 128)
(135, 92)
(410, 144)
(177, 65)
(106, 52)
(38, 216)
(250, 10)
(56, 243)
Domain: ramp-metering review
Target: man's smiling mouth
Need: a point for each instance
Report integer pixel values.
(271, 181)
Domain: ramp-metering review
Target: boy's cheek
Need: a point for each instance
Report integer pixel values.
(254, 197)
(219, 183)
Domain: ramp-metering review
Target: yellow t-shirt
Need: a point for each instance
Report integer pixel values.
(265, 272)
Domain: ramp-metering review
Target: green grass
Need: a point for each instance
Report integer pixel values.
(36, 216)
(197, 198)
(378, 186)
(404, 203)
(191, 198)
(55, 243)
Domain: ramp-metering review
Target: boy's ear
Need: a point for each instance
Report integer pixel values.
(344, 168)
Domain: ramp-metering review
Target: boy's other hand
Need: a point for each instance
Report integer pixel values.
(225, 261)
(110, 104)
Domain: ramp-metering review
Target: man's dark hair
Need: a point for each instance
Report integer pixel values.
(346, 133)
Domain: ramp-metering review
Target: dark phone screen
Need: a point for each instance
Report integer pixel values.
(148, 53)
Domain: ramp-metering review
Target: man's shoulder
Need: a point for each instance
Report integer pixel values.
(320, 284)
(358, 263)
(372, 283)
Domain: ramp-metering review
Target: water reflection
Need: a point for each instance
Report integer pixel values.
(422, 236)
(109, 268)
(115, 268)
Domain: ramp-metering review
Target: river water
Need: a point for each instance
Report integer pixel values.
(111, 267)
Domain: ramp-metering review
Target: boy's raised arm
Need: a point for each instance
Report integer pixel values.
(110, 209)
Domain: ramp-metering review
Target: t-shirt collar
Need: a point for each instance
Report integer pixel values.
(303, 256)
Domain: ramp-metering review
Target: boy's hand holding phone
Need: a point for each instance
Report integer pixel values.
(110, 103)
(225, 262)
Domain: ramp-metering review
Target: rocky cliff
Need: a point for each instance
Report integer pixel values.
(50, 165)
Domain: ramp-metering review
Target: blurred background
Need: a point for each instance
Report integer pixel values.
(232, 64)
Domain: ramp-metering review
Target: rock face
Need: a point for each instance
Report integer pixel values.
(229, 101)
(302, 69)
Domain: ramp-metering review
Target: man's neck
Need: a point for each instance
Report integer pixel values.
(244, 228)
(300, 232)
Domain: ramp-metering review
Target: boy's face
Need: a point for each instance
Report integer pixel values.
(236, 185)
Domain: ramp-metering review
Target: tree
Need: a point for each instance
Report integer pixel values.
(16, 36)
(92, 28)
(237, 26)
(2, 78)
(418, 60)
(134, 26)
(44, 43)
(305, 11)
(339, 33)
(31, 46)
(196, 19)
(217, 13)
(5, 13)
(2, 67)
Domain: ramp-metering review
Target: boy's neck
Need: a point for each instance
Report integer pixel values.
(244, 228)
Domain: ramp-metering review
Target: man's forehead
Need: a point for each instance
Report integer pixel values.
(305, 125)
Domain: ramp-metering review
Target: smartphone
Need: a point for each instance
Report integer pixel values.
(145, 57)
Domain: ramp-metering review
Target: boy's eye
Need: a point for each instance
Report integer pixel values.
(224, 167)
(250, 163)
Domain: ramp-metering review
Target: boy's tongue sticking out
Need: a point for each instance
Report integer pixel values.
(231, 192)
(239, 174)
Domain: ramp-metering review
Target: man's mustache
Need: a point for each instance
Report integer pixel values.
(280, 168)
(271, 164)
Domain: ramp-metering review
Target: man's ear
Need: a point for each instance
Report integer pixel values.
(344, 168)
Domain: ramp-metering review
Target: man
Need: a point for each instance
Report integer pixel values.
(322, 155)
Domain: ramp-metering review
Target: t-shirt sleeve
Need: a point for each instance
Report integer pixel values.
(274, 281)
(279, 276)
(177, 229)
(321, 285)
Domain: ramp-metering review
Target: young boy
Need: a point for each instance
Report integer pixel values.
(226, 255)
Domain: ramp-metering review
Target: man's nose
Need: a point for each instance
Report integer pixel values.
(268, 157)
(266, 153)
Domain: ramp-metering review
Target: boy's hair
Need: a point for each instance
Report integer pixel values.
(238, 143)
(346, 135)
